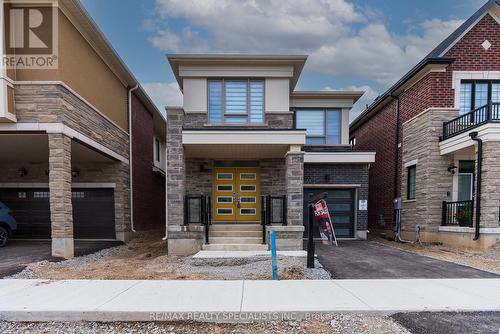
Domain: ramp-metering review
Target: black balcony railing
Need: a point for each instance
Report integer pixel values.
(457, 213)
(488, 113)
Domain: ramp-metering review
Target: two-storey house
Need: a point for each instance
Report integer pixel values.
(246, 151)
(82, 146)
(437, 139)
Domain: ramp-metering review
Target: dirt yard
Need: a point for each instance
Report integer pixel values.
(145, 258)
(336, 323)
(487, 260)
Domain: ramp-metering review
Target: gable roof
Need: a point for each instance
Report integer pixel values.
(435, 57)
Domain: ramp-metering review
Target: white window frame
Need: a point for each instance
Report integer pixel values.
(218, 178)
(248, 185)
(248, 214)
(253, 197)
(224, 185)
(225, 214)
(252, 179)
(231, 197)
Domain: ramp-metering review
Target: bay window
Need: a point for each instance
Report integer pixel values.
(477, 93)
(322, 125)
(236, 101)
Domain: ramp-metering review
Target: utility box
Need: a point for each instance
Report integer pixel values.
(398, 203)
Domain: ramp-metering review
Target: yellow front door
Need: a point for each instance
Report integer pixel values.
(236, 194)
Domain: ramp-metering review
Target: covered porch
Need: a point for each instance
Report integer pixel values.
(233, 186)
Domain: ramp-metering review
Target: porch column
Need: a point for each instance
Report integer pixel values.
(295, 185)
(61, 209)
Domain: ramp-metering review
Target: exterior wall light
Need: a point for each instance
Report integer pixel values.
(22, 172)
(452, 168)
(75, 173)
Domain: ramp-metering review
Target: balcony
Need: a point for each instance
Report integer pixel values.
(477, 117)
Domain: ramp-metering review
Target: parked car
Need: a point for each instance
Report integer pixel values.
(8, 223)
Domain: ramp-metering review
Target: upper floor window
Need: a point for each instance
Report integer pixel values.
(157, 150)
(322, 125)
(236, 101)
(475, 94)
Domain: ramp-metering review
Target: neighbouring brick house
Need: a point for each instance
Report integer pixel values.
(246, 149)
(66, 158)
(425, 130)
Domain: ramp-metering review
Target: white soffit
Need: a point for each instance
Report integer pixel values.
(243, 137)
(339, 157)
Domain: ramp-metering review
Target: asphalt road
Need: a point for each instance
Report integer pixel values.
(450, 322)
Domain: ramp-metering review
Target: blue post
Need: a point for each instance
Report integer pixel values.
(272, 236)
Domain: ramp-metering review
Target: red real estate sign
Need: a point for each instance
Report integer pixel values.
(322, 216)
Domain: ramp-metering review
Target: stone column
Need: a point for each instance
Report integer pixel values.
(122, 201)
(490, 184)
(175, 168)
(295, 185)
(61, 209)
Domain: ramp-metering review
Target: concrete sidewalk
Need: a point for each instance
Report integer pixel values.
(100, 300)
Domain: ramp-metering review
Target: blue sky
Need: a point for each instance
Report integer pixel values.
(358, 44)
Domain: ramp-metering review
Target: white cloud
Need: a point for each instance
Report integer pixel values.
(368, 97)
(342, 39)
(164, 94)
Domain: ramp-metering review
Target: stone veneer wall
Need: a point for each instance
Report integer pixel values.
(295, 187)
(175, 168)
(199, 172)
(272, 177)
(433, 181)
(490, 184)
(273, 120)
(342, 174)
(37, 103)
(61, 209)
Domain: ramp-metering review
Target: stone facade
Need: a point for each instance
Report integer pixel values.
(55, 104)
(273, 120)
(433, 180)
(490, 186)
(61, 210)
(175, 168)
(294, 178)
(344, 174)
(272, 177)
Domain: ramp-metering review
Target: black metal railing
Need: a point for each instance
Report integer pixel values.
(273, 211)
(488, 113)
(198, 210)
(458, 213)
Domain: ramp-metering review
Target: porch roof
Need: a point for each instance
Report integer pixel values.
(241, 143)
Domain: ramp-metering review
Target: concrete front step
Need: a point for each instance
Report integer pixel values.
(235, 234)
(235, 240)
(235, 227)
(234, 247)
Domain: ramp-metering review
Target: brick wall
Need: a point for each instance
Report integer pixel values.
(342, 174)
(149, 187)
(434, 90)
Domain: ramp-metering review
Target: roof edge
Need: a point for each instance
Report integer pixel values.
(379, 101)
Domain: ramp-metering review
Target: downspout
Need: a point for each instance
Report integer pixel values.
(130, 164)
(166, 185)
(473, 136)
(396, 144)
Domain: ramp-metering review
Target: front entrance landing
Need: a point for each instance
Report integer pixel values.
(370, 260)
